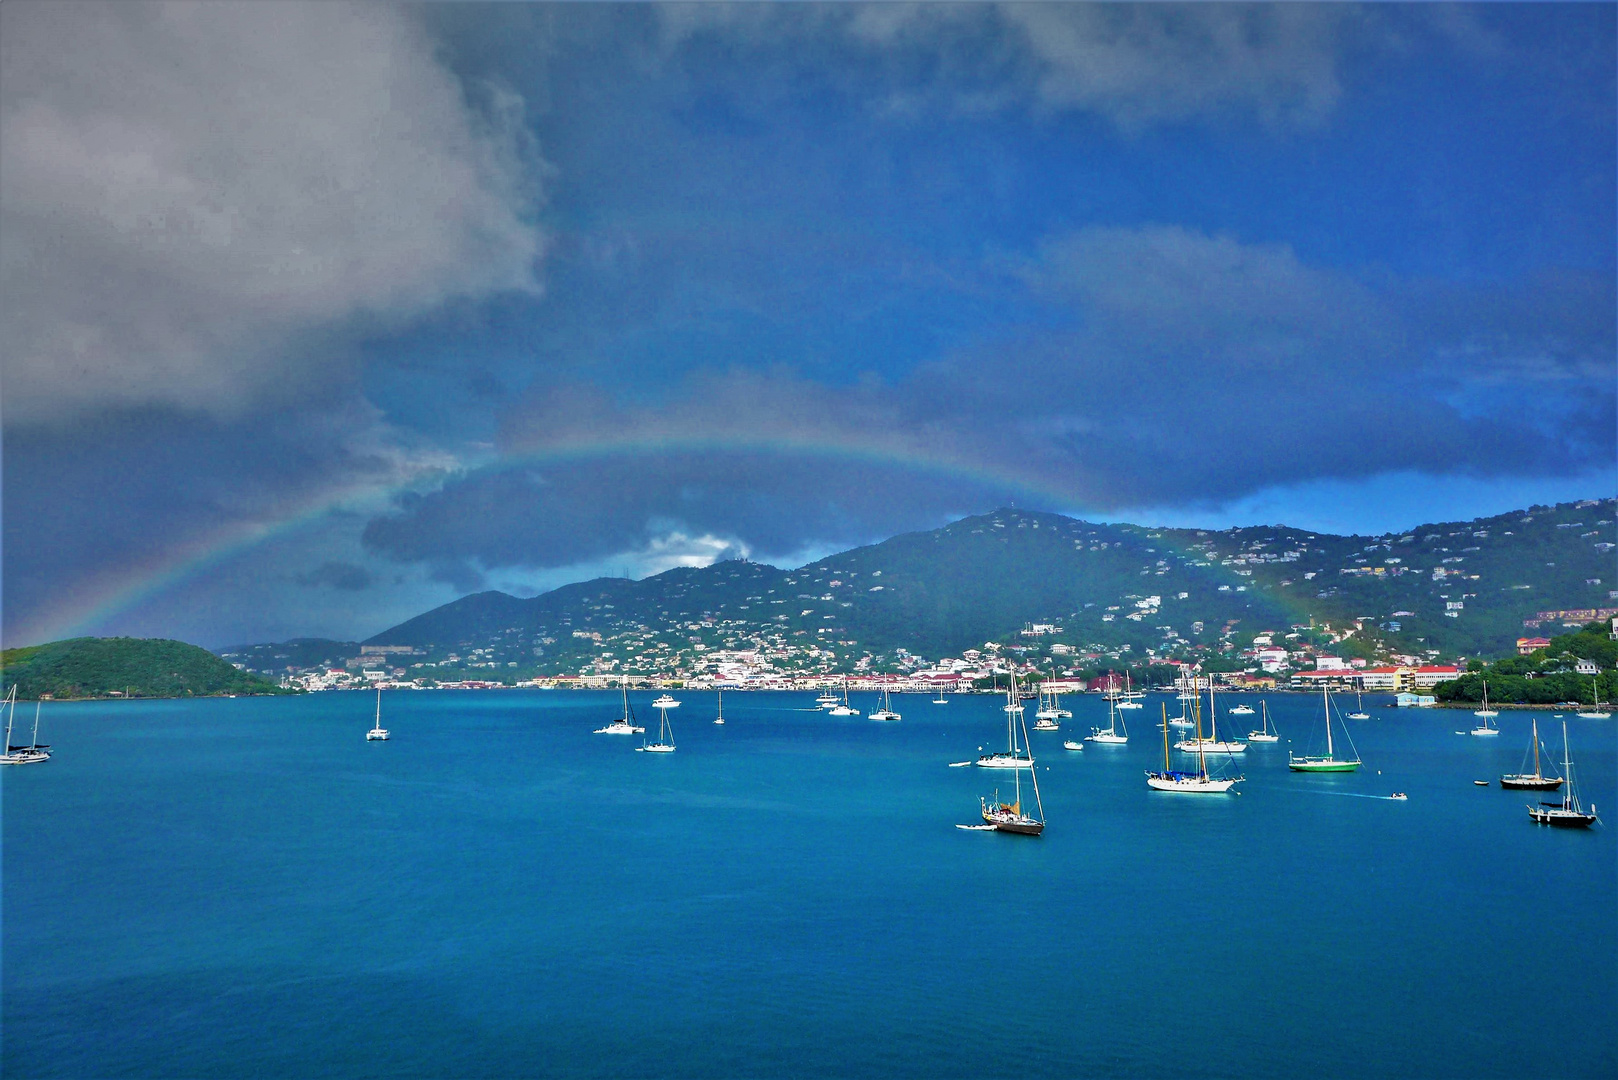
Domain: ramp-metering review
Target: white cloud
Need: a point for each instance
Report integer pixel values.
(189, 190)
(1135, 64)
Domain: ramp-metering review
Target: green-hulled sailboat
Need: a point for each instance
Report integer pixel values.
(1329, 763)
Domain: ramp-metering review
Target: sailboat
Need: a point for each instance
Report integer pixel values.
(1330, 762)
(1485, 713)
(1184, 719)
(626, 724)
(1596, 711)
(1265, 733)
(1567, 814)
(1110, 733)
(34, 752)
(843, 708)
(378, 733)
(665, 735)
(1199, 782)
(1359, 712)
(1050, 710)
(1009, 817)
(1131, 698)
(1014, 757)
(941, 699)
(719, 717)
(1536, 780)
(886, 711)
(1212, 744)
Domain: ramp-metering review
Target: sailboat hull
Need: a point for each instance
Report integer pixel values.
(1323, 766)
(1531, 783)
(1561, 818)
(1004, 761)
(1190, 784)
(1021, 828)
(1259, 736)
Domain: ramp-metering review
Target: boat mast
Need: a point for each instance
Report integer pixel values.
(1213, 713)
(35, 741)
(11, 700)
(1165, 706)
(1325, 701)
(1537, 775)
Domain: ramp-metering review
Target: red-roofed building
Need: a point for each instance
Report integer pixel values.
(1526, 645)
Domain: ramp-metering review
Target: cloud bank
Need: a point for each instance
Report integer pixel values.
(188, 191)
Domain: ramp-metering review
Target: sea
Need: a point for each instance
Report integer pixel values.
(248, 888)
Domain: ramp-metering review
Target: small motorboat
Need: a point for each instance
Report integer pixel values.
(1069, 744)
(1399, 796)
(1481, 783)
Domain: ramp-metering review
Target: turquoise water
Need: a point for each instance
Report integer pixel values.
(246, 887)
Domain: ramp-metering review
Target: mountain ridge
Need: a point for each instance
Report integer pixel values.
(1449, 587)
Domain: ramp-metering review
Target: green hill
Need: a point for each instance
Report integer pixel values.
(138, 667)
(1452, 588)
(1546, 676)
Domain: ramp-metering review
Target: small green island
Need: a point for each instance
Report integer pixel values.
(1576, 667)
(118, 667)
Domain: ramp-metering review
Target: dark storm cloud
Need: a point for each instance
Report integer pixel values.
(337, 575)
(1190, 366)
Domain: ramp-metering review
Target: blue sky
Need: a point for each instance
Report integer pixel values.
(319, 316)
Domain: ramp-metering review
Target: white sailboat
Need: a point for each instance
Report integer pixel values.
(1110, 735)
(886, 711)
(843, 708)
(1595, 712)
(1359, 712)
(719, 717)
(665, 735)
(35, 751)
(1485, 713)
(1265, 734)
(1013, 757)
(1050, 710)
(625, 725)
(378, 733)
(1212, 744)
(1190, 783)
(1131, 697)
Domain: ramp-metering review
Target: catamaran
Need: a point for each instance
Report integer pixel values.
(1596, 712)
(843, 708)
(1265, 733)
(35, 751)
(1110, 734)
(1567, 814)
(378, 733)
(1013, 757)
(1536, 780)
(1212, 744)
(626, 724)
(1197, 783)
(1009, 817)
(665, 735)
(1329, 763)
(886, 711)
(1131, 697)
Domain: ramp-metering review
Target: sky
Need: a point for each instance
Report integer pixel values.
(315, 317)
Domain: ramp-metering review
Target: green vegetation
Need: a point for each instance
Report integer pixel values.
(1545, 676)
(114, 667)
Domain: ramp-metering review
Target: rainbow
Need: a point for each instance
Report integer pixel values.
(88, 607)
